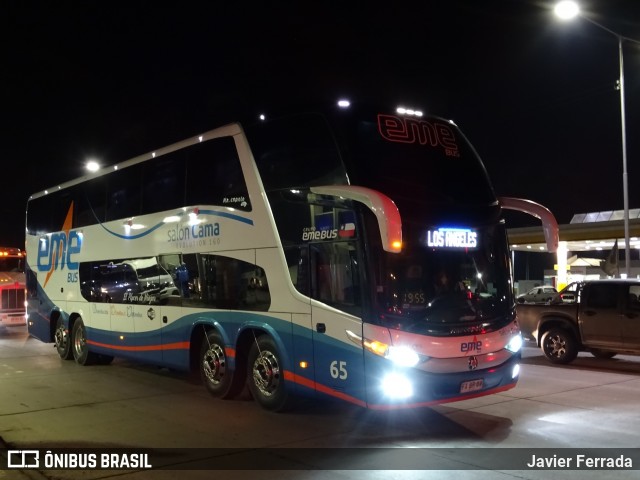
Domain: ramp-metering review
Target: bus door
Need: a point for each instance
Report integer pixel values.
(149, 307)
(336, 311)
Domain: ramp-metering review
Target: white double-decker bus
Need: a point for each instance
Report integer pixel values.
(348, 252)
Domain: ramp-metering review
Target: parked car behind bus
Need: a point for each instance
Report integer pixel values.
(541, 294)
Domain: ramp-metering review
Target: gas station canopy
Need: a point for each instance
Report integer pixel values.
(586, 232)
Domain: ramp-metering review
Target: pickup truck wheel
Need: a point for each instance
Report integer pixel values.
(602, 353)
(559, 346)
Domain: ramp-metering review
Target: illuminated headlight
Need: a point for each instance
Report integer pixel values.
(515, 344)
(516, 370)
(403, 356)
(397, 386)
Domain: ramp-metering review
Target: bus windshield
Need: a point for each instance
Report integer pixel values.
(446, 281)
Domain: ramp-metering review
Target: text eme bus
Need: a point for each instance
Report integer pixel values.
(346, 252)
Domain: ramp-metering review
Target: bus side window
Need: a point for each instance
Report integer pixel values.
(335, 276)
(124, 193)
(226, 283)
(298, 263)
(90, 202)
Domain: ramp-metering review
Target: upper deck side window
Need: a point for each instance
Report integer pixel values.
(296, 151)
(208, 173)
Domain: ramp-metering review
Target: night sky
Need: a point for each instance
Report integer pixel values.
(112, 80)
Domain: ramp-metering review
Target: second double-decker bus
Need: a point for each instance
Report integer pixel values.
(346, 251)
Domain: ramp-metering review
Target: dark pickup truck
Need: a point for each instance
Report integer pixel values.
(603, 318)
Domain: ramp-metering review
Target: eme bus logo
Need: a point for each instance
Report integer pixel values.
(473, 346)
(57, 250)
(411, 130)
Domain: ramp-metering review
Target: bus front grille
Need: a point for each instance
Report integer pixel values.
(12, 298)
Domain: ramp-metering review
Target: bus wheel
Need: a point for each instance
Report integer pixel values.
(214, 367)
(266, 377)
(81, 352)
(559, 346)
(62, 340)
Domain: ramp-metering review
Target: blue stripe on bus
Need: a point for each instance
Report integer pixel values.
(132, 237)
(231, 216)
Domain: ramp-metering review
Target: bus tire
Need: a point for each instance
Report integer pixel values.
(62, 340)
(81, 353)
(266, 377)
(559, 346)
(214, 367)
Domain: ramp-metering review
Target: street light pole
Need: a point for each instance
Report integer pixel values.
(567, 10)
(625, 177)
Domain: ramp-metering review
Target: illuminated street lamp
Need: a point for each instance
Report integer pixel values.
(567, 10)
(92, 166)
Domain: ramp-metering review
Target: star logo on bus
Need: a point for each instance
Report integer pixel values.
(473, 362)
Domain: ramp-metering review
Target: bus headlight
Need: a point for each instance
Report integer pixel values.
(402, 356)
(515, 344)
(396, 385)
(516, 370)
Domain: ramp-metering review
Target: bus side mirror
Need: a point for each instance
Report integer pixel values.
(549, 223)
(383, 208)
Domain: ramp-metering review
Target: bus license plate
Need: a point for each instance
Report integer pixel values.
(471, 386)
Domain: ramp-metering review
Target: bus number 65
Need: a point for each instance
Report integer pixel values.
(338, 369)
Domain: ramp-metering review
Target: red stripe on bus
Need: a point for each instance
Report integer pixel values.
(292, 377)
(142, 348)
(300, 380)
(230, 352)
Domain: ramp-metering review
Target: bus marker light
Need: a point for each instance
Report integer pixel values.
(516, 370)
(376, 347)
(304, 364)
